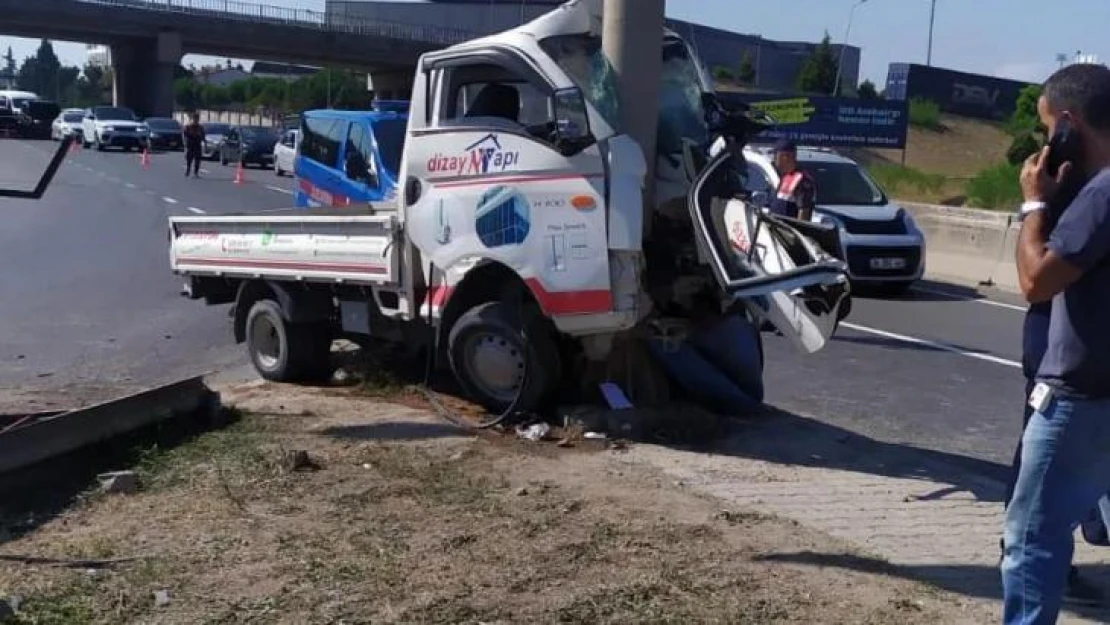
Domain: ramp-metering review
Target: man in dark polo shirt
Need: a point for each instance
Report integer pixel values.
(1065, 461)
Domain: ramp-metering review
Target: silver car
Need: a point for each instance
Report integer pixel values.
(882, 244)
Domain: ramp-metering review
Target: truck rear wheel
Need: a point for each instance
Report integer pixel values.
(490, 348)
(283, 351)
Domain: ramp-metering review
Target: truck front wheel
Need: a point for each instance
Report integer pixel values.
(491, 346)
(283, 351)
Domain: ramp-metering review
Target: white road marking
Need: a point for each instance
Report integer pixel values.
(169, 200)
(279, 190)
(129, 185)
(273, 210)
(204, 171)
(943, 347)
(988, 302)
(194, 209)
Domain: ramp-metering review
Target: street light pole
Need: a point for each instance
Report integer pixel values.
(932, 20)
(844, 46)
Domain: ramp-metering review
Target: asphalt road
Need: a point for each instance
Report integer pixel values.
(89, 308)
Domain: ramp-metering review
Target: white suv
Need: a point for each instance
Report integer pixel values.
(113, 126)
(882, 244)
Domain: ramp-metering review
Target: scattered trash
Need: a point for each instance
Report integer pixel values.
(522, 491)
(94, 573)
(15, 601)
(119, 482)
(297, 460)
(161, 597)
(595, 436)
(458, 455)
(367, 465)
(535, 432)
(342, 376)
(564, 442)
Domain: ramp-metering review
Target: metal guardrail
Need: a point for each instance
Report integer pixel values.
(303, 18)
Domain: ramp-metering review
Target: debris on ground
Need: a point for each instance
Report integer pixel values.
(298, 460)
(119, 482)
(535, 432)
(415, 523)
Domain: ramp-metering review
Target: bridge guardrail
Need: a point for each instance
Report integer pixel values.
(305, 18)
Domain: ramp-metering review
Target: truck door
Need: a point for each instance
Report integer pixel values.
(319, 167)
(361, 171)
(494, 185)
(771, 264)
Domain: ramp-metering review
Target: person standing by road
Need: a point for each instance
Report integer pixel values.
(1065, 458)
(1034, 345)
(797, 193)
(194, 141)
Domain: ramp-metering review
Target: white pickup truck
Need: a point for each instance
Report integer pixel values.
(515, 245)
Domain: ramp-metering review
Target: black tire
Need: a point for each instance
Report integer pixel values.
(278, 171)
(501, 327)
(298, 352)
(223, 159)
(100, 147)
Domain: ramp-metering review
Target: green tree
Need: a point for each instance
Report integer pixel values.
(818, 71)
(867, 91)
(1025, 119)
(746, 73)
(1022, 147)
(9, 72)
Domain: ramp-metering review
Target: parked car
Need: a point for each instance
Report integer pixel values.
(35, 118)
(881, 242)
(115, 127)
(285, 151)
(348, 157)
(67, 123)
(214, 133)
(249, 145)
(165, 133)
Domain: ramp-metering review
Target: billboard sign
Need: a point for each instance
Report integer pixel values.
(958, 93)
(830, 122)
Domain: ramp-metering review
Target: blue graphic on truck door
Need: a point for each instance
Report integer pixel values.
(502, 217)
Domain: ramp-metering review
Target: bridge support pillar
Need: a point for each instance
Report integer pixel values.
(392, 85)
(143, 73)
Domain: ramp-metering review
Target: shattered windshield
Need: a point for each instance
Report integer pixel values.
(680, 90)
(583, 60)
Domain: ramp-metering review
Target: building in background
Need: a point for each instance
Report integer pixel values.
(98, 55)
(284, 71)
(776, 62)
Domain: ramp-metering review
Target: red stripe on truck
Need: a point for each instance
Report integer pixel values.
(282, 264)
(553, 303)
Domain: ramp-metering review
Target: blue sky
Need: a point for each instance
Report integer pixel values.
(1007, 38)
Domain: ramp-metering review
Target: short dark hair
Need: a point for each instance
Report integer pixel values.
(1083, 89)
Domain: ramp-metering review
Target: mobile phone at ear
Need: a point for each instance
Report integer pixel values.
(1063, 146)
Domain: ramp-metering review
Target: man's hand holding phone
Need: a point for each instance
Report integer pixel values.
(1037, 185)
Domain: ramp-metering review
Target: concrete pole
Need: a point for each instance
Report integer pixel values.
(632, 38)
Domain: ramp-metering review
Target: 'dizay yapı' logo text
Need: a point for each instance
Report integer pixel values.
(482, 157)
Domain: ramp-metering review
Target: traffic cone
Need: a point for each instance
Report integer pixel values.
(239, 173)
(74, 146)
(144, 160)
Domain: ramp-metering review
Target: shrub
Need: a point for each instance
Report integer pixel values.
(925, 114)
(1022, 147)
(995, 187)
(894, 177)
(722, 73)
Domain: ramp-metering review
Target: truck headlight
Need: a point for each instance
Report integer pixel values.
(911, 225)
(828, 220)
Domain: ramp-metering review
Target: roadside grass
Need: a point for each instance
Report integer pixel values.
(447, 529)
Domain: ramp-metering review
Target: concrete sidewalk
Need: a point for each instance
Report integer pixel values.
(910, 512)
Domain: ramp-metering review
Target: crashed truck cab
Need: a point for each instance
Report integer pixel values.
(515, 247)
(516, 165)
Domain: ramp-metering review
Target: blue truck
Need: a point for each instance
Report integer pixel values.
(348, 157)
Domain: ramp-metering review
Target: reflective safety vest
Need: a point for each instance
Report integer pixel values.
(785, 202)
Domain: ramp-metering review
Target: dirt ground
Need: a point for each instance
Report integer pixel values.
(401, 518)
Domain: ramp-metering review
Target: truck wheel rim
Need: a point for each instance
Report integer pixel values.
(496, 366)
(266, 341)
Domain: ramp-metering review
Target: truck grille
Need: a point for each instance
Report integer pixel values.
(859, 260)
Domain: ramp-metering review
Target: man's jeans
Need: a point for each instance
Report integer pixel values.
(1065, 469)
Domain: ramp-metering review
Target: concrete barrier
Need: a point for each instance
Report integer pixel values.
(968, 245)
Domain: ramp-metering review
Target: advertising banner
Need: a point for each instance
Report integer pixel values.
(830, 122)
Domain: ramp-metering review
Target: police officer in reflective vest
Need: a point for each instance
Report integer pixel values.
(797, 192)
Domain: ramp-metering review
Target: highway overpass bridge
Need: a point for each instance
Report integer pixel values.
(149, 37)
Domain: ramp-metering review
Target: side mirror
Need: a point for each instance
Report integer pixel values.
(572, 121)
(761, 199)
